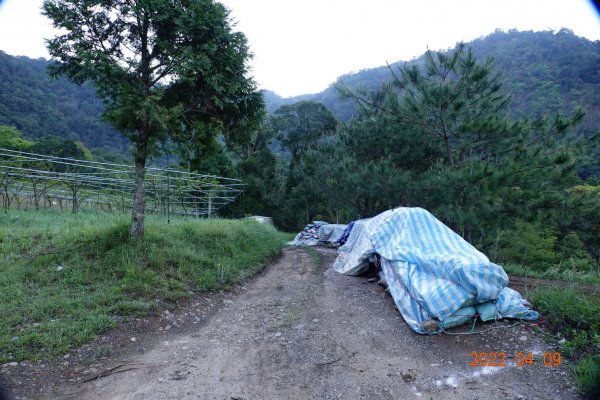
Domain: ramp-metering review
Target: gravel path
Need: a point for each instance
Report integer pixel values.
(299, 332)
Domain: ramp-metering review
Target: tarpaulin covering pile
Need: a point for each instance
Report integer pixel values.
(431, 272)
(318, 232)
(331, 233)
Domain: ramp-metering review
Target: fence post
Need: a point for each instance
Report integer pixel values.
(209, 204)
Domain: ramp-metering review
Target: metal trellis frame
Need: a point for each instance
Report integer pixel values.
(41, 181)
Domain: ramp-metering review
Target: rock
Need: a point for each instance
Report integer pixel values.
(13, 364)
(133, 339)
(430, 325)
(408, 377)
(523, 338)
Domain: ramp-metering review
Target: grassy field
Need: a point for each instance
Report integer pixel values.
(64, 278)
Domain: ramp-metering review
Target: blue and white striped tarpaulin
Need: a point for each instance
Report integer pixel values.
(430, 270)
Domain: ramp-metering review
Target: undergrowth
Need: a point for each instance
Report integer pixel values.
(592, 277)
(64, 278)
(574, 316)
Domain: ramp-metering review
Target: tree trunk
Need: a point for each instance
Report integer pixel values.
(139, 189)
(448, 151)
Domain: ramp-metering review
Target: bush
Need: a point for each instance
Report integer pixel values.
(531, 245)
(573, 255)
(587, 375)
(539, 248)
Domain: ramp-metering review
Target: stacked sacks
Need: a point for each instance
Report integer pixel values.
(431, 272)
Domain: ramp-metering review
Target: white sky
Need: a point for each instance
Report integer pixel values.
(302, 46)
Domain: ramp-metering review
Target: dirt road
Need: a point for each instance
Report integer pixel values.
(299, 333)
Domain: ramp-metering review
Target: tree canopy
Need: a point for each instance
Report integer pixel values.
(301, 125)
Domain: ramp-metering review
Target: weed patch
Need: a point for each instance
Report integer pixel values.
(575, 316)
(316, 257)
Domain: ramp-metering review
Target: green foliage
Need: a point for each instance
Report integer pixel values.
(187, 66)
(11, 138)
(573, 254)
(575, 315)
(544, 72)
(211, 160)
(167, 72)
(38, 106)
(579, 214)
(531, 245)
(262, 173)
(317, 259)
(301, 125)
(587, 374)
(440, 136)
(478, 166)
(259, 173)
(568, 275)
(64, 278)
(56, 146)
(568, 308)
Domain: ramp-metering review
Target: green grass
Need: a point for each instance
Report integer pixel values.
(575, 316)
(65, 278)
(316, 257)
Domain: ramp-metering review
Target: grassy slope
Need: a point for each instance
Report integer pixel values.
(64, 278)
(574, 315)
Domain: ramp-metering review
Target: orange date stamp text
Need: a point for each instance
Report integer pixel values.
(499, 359)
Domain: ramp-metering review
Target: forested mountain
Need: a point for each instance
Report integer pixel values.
(544, 72)
(39, 105)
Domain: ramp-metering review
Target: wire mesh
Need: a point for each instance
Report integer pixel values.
(29, 180)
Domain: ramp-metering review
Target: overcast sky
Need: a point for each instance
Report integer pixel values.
(302, 46)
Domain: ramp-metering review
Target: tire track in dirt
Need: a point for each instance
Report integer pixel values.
(294, 333)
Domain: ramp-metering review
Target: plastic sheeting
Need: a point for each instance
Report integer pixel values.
(330, 233)
(318, 232)
(430, 270)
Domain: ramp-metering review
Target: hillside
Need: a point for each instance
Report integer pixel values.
(38, 105)
(545, 72)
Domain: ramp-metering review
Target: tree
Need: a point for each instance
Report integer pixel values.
(166, 70)
(492, 169)
(301, 125)
(59, 147)
(11, 138)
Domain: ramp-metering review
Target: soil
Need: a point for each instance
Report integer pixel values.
(296, 331)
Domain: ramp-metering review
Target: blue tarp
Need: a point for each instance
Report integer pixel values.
(430, 270)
